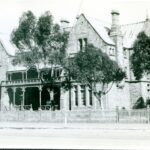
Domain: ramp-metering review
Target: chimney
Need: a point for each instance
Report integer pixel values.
(116, 35)
(64, 24)
(147, 25)
(115, 29)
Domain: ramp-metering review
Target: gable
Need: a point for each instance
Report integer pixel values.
(95, 34)
(100, 29)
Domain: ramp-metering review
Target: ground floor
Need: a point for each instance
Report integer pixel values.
(49, 98)
(38, 96)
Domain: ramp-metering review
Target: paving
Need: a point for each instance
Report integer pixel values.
(47, 125)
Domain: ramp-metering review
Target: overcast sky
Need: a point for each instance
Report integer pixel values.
(130, 10)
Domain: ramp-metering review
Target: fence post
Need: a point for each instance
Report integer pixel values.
(40, 111)
(117, 114)
(65, 118)
(24, 114)
(1, 115)
(18, 116)
(90, 115)
(148, 114)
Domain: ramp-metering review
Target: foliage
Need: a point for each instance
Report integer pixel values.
(39, 40)
(148, 102)
(92, 66)
(139, 103)
(140, 59)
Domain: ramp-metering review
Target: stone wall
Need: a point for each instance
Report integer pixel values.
(83, 29)
(118, 97)
(4, 62)
(135, 92)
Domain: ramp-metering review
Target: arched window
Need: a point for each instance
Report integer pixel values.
(32, 73)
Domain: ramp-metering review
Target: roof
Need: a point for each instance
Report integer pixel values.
(5, 40)
(100, 28)
(14, 68)
(130, 32)
(17, 68)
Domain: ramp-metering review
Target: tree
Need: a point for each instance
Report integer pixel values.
(94, 68)
(140, 58)
(147, 102)
(39, 41)
(40, 44)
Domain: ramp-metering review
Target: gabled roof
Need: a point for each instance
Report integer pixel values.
(100, 28)
(130, 32)
(8, 47)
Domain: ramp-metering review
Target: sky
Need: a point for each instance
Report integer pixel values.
(11, 10)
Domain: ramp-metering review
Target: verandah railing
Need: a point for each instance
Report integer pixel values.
(77, 116)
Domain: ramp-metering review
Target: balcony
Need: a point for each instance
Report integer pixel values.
(34, 81)
(21, 82)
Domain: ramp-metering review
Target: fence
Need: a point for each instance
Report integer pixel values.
(77, 116)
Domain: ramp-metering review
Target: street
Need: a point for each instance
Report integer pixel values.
(67, 138)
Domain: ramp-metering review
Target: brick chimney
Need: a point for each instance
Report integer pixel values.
(147, 26)
(116, 35)
(115, 28)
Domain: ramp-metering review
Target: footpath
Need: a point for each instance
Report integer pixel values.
(47, 125)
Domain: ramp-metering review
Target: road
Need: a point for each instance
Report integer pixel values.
(75, 138)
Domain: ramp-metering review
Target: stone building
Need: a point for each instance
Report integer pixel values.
(22, 86)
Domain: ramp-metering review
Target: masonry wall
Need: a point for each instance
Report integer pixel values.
(118, 97)
(4, 62)
(135, 92)
(83, 29)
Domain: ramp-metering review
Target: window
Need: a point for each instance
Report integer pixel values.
(80, 44)
(32, 73)
(126, 72)
(90, 97)
(16, 76)
(85, 42)
(112, 51)
(9, 77)
(148, 76)
(83, 97)
(125, 53)
(76, 95)
(148, 87)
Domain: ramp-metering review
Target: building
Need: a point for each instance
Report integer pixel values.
(22, 86)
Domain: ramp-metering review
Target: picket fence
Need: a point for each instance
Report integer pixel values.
(77, 116)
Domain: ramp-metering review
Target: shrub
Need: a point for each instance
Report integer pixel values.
(148, 102)
(139, 103)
